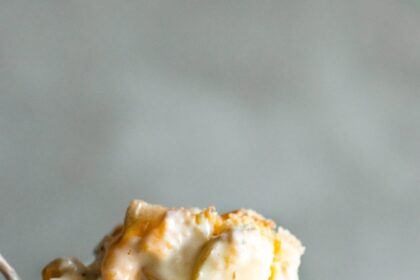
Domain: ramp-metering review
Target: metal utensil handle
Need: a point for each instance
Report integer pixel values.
(7, 270)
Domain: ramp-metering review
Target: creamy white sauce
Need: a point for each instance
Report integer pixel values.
(242, 253)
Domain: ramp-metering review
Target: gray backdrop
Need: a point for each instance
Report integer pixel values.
(307, 111)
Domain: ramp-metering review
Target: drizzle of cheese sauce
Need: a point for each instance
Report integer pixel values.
(157, 243)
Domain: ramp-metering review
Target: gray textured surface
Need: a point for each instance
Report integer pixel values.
(308, 111)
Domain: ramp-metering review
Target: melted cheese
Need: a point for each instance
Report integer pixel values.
(156, 243)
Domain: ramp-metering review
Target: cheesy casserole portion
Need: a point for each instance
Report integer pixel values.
(158, 243)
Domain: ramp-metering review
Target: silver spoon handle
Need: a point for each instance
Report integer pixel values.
(7, 270)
